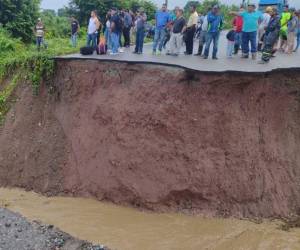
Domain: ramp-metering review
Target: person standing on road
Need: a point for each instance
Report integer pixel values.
(74, 31)
(93, 27)
(271, 36)
(298, 31)
(262, 27)
(285, 17)
(162, 18)
(215, 25)
(107, 32)
(292, 30)
(115, 27)
(176, 36)
(190, 30)
(127, 28)
(251, 18)
(238, 28)
(140, 23)
(39, 33)
(203, 34)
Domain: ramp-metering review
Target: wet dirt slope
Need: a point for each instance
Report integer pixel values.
(160, 137)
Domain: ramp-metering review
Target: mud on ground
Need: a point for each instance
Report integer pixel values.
(160, 138)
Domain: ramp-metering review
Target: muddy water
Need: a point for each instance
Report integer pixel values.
(125, 228)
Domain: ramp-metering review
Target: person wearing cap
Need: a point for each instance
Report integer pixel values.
(271, 36)
(140, 23)
(263, 25)
(162, 18)
(215, 25)
(292, 29)
(285, 17)
(39, 33)
(298, 31)
(251, 18)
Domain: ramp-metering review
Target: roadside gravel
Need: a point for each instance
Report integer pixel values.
(16, 233)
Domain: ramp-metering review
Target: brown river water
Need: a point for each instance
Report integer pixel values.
(125, 228)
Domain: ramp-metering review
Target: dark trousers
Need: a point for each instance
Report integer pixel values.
(139, 42)
(126, 34)
(189, 42)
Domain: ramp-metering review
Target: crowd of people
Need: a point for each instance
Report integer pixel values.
(252, 31)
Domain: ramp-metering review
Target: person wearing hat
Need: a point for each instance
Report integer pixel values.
(271, 36)
(215, 25)
(39, 33)
(263, 25)
(285, 17)
(251, 18)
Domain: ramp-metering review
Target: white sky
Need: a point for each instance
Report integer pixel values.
(56, 4)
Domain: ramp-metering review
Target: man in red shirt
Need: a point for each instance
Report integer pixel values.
(238, 27)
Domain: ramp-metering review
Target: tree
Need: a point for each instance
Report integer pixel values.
(19, 17)
(82, 9)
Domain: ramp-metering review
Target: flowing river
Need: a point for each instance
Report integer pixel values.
(128, 229)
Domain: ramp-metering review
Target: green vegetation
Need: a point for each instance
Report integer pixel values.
(19, 17)
(204, 6)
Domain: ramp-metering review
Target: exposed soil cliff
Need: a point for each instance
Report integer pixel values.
(160, 137)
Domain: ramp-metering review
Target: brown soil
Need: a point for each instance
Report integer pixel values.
(160, 137)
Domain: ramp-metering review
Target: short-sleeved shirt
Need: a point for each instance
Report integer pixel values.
(250, 20)
(162, 18)
(117, 21)
(179, 23)
(74, 27)
(193, 20)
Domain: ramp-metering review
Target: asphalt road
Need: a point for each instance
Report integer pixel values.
(281, 61)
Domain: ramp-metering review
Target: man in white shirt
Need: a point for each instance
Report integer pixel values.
(93, 27)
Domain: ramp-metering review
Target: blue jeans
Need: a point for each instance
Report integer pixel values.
(238, 39)
(159, 38)
(107, 38)
(212, 37)
(249, 37)
(230, 48)
(39, 42)
(298, 41)
(91, 40)
(74, 40)
(139, 42)
(115, 42)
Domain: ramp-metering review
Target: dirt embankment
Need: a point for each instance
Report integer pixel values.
(160, 137)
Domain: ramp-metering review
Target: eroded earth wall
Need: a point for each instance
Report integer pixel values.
(159, 137)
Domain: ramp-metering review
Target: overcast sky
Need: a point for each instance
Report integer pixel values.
(56, 4)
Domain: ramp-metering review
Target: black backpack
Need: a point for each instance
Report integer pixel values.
(86, 50)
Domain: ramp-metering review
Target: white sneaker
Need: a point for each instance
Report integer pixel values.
(113, 54)
(121, 50)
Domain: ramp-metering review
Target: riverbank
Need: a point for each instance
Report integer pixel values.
(18, 233)
(123, 228)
